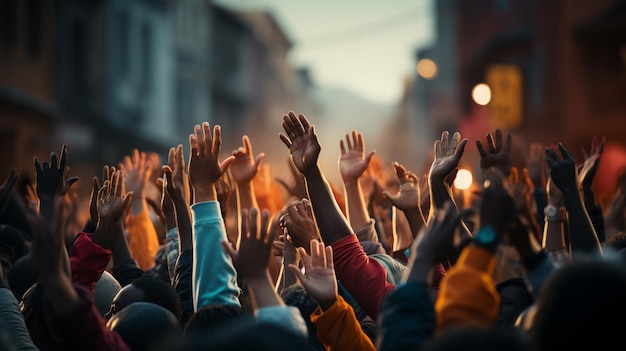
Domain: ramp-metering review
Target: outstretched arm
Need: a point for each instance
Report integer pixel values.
(364, 278)
(352, 164)
(214, 277)
(582, 235)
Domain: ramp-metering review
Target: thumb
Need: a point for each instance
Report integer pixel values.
(258, 159)
(224, 165)
(392, 198)
(127, 198)
(369, 156)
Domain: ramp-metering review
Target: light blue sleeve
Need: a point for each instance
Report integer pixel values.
(288, 317)
(12, 327)
(214, 277)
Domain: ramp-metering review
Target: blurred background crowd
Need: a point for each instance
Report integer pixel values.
(108, 76)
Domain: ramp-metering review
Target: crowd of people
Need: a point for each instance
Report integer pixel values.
(220, 260)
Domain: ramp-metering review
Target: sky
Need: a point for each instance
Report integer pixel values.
(367, 47)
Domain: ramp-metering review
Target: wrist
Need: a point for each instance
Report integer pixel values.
(204, 193)
(326, 304)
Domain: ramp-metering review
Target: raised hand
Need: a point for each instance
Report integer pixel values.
(592, 160)
(180, 177)
(437, 243)
(252, 259)
(408, 196)
(112, 202)
(319, 278)
(5, 189)
(298, 189)
(562, 169)
(497, 154)
(137, 170)
(447, 155)
(353, 162)
(95, 187)
(205, 167)
(51, 181)
(299, 223)
(301, 140)
(245, 166)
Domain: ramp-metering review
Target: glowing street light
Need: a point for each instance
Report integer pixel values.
(481, 94)
(463, 179)
(427, 68)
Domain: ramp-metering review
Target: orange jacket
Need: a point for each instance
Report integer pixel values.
(142, 239)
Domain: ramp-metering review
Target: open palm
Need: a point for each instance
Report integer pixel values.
(319, 278)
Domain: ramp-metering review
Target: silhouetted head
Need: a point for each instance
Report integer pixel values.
(147, 326)
(32, 308)
(208, 318)
(12, 246)
(297, 296)
(146, 289)
(581, 307)
(515, 298)
(476, 339)
(106, 289)
(21, 276)
(249, 334)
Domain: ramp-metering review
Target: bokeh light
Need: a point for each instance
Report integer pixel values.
(427, 68)
(481, 94)
(463, 179)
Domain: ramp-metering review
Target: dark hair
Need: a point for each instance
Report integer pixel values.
(470, 339)
(208, 318)
(21, 276)
(250, 334)
(12, 239)
(147, 326)
(578, 305)
(297, 296)
(159, 292)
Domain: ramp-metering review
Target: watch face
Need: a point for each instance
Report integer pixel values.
(486, 235)
(550, 210)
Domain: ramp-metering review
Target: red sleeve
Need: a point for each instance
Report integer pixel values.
(83, 328)
(87, 260)
(363, 277)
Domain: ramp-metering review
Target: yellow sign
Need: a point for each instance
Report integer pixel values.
(505, 107)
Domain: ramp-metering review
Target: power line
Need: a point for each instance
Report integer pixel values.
(366, 31)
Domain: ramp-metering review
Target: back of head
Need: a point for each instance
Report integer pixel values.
(208, 318)
(12, 243)
(248, 334)
(297, 296)
(159, 292)
(21, 276)
(106, 289)
(475, 339)
(515, 299)
(147, 326)
(581, 306)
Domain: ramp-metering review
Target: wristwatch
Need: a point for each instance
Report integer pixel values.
(554, 214)
(486, 237)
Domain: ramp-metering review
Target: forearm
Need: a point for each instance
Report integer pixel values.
(138, 204)
(262, 292)
(440, 193)
(356, 207)
(183, 223)
(582, 235)
(415, 220)
(246, 195)
(328, 216)
(214, 277)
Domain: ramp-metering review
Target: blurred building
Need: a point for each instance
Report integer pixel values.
(107, 76)
(556, 71)
(28, 110)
